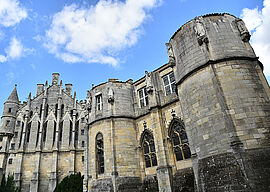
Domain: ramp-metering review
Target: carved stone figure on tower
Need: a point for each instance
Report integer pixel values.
(88, 100)
(149, 85)
(245, 35)
(170, 54)
(200, 32)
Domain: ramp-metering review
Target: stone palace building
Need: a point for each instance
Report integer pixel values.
(201, 122)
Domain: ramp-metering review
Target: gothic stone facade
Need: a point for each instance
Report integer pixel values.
(198, 123)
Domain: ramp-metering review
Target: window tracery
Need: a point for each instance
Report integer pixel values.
(149, 150)
(180, 141)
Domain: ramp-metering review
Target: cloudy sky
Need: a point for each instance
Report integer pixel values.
(90, 41)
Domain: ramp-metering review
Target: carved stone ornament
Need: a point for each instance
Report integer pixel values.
(244, 34)
(170, 54)
(200, 32)
(88, 101)
(110, 95)
(149, 85)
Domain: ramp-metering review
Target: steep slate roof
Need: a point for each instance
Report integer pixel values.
(13, 97)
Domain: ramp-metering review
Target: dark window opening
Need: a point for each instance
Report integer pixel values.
(28, 132)
(60, 131)
(70, 131)
(47, 110)
(82, 158)
(180, 142)
(12, 146)
(76, 130)
(9, 110)
(149, 150)
(7, 123)
(100, 153)
(82, 143)
(44, 131)
(55, 112)
(10, 161)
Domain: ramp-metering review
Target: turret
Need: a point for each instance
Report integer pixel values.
(9, 113)
(225, 103)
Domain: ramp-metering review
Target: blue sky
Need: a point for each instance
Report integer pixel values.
(91, 41)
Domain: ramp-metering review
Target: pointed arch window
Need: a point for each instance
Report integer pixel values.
(100, 153)
(180, 141)
(149, 150)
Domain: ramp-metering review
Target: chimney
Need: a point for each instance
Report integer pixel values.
(68, 89)
(55, 78)
(40, 88)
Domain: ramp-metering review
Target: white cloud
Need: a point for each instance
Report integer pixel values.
(3, 58)
(15, 50)
(258, 22)
(11, 12)
(98, 33)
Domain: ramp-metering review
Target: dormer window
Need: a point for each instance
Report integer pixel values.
(143, 97)
(99, 102)
(169, 83)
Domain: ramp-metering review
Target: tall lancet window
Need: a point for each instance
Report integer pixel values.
(100, 153)
(180, 141)
(28, 132)
(149, 149)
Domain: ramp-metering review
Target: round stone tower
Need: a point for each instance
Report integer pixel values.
(113, 159)
(8, 119)
(225, 100)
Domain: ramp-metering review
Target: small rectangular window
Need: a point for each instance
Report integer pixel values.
(143, 97)
(12, 146)
(1, 138)
(9, 110)
(16, 134)
(18, 123)
(169, 83)
(82, 132)
(82, 158)
(7, 123)
(82, 143)
(82, 119)
(10, 161)
(99, 102)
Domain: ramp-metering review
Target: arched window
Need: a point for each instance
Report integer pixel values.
(100, 153)
(180, 143)
(149, 150)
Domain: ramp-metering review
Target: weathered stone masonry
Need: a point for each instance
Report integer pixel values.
(198, 123)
